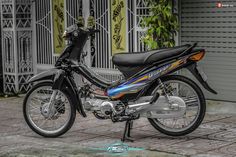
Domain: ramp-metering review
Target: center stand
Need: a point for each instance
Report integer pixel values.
(126, 135)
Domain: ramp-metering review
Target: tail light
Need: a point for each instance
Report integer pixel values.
(197, 56)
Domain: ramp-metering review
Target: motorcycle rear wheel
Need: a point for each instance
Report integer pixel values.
(164, 127)
(64, 111)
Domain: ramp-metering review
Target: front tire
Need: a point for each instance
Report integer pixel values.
(159, 124)
(34, 103)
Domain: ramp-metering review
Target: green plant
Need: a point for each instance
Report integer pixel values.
(80, 21)
(162, 25)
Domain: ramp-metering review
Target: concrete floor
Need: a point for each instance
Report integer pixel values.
(216, 137)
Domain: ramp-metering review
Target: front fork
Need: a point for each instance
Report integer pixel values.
(49, 110)
(52, 101)
(58, 80)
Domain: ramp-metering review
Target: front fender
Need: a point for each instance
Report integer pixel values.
(46, 75)
(63, 83)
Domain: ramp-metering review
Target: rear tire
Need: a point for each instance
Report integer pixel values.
(202, 107)
(36, 128)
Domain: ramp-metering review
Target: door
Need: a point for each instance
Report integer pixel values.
(214, 28)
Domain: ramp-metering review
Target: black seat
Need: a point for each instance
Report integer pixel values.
(147, 58)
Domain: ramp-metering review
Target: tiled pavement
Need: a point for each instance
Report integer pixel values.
(216, 137)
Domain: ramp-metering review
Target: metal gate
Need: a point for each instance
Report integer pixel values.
(44, 29)
(17, 34)
(1, 72)
(215, 30)
(101, 45)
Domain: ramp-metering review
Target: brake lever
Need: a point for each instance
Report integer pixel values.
(93, 31)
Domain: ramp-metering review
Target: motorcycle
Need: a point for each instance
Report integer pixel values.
(174, 105)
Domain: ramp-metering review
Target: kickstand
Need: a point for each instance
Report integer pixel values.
(126, 135)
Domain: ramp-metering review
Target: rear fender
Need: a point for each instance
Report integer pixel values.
(194, 70)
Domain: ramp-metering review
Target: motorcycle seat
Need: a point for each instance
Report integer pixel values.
(149, 57)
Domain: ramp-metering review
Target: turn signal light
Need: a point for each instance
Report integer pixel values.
(64, 34)
(197, 57)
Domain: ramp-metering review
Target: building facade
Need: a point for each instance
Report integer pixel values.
(1, 72)
(17, 33)
(31, 37)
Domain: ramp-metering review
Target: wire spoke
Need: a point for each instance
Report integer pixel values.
(56, 120)
(188, 94)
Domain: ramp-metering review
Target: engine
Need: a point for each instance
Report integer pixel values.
(104, 107)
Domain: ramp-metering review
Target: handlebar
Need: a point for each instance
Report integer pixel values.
(93, 31)
(75, 27)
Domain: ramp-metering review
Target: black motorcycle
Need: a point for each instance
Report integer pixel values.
(173, 104)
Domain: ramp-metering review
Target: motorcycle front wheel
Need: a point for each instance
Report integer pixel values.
(189, 91)
(54, 122)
